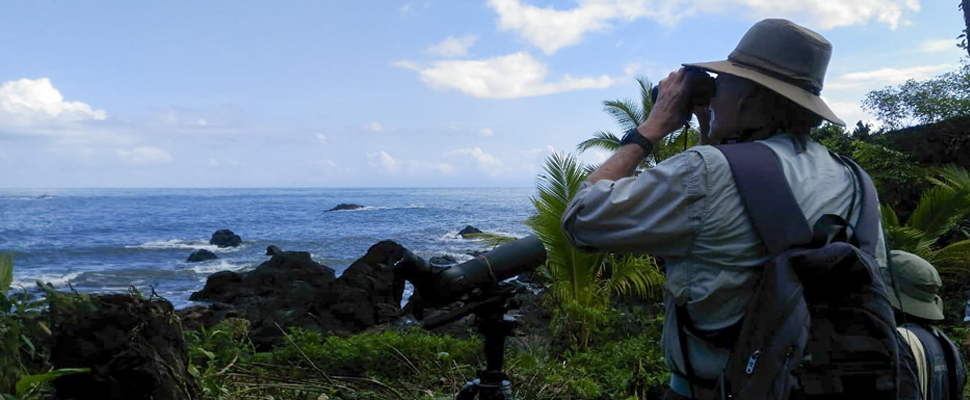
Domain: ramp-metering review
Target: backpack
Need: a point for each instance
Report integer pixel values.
(819, 323)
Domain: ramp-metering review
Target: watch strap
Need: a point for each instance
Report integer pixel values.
(633, 136)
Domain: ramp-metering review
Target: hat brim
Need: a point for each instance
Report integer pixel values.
(920, 308)
(794, 93)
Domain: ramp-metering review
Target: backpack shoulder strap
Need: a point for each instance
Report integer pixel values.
(866, 229)
(767, 196)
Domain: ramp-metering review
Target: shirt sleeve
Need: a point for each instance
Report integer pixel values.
(657, 212)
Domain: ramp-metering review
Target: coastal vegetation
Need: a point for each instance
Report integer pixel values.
(603, 340)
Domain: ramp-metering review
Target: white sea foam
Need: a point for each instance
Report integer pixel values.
(213, 267)
(58, 280)
(183, 244)
(371, 208)
(461, 257)
(449, 237)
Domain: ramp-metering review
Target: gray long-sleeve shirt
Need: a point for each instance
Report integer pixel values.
(687, 210)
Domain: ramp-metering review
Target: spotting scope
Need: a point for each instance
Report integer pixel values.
(439, 286)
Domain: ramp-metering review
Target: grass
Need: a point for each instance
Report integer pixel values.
(411, 363)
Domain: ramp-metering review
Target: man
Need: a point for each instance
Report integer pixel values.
(687, 209)
(942, 374)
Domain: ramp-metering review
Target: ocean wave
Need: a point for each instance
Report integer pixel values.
(213, 267)
(57, 280)
(372, 208)
(183, 244)
(26, 198)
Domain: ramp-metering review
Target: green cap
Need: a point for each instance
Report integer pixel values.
(918, 285)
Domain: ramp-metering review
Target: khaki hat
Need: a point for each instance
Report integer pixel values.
(918, 285)
(784, 57)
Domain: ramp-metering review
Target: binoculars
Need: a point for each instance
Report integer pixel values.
(702, 88)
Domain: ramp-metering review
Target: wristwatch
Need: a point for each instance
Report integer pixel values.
(633, 136)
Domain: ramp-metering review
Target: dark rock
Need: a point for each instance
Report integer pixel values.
(468, 230)
(201, 255)
(133, 346)
(225, 238)
(475, 253)
(343, 207)
(443, 260)
(293, 290)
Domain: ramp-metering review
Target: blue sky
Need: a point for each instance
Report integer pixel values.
(383, 93)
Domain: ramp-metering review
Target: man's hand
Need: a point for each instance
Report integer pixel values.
(672, 108)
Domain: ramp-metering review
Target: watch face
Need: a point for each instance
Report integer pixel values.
(628, 137)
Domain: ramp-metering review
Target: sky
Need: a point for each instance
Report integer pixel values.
(190, 94)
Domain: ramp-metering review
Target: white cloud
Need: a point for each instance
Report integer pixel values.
(550, 29)
(849, 112)
(384, 161)
(321, 138)
(486, 162)
(512, 76)
(453, 47)
(146, 155)
(486, 132)
(326, 163)
(375, 126)
(933, 46)
(203, 122)
(37, 101)
(886, 76)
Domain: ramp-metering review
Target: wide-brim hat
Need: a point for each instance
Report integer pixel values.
(785, 57)
(918, 285)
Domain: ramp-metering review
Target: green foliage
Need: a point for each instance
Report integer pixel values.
(833, 137)
(897, 177)
(213, 351)
(623, 367)
(624, 362)
(895, 174)
(922, 102)
(390, 355)
(490, 239)
(30, 382)
(580, 282)
(19, 313)
(939, 211)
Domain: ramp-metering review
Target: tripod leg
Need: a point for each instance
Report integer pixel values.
(469, 390)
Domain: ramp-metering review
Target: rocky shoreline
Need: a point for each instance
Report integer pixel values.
(135, 346)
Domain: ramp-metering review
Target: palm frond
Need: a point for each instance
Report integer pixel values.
(673, 144)
(603, 140)
(909, 239)
(953, 177)
(646, 100)
(953, 257)
(571, 271)
(889, 218)
(626, 113)
(939, 210)
(632, 274)
(490, 239)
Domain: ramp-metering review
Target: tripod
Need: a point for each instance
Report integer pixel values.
(489, 308)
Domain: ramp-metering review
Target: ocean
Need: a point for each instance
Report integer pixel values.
(108, 240)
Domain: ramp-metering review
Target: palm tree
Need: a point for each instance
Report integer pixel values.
(581, 282)
(630, 114)
(940, 210)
